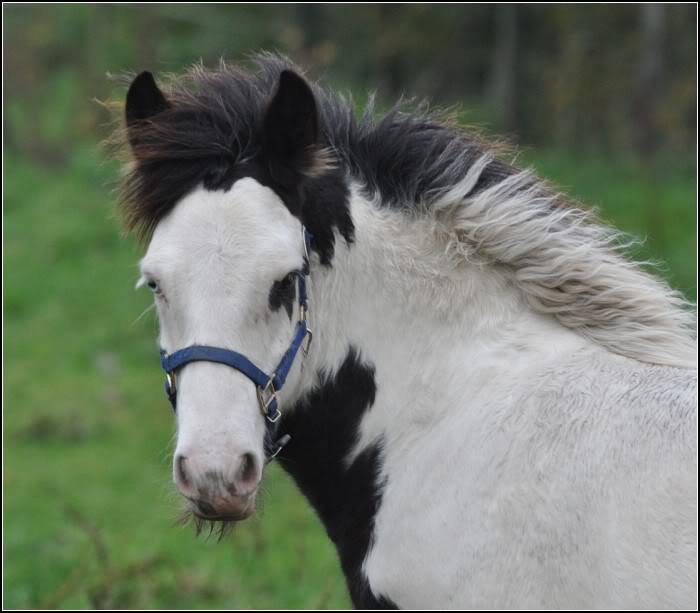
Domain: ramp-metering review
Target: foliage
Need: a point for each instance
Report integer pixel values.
(576, 68)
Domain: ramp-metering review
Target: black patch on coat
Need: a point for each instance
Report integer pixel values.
(326, 208)
(324, 428)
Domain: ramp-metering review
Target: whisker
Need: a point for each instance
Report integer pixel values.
(217, 528)
(146, 310)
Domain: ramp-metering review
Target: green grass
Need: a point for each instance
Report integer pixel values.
(88, 503)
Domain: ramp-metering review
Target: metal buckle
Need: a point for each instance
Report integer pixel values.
(303, 313)
(172, 386)
(309, 338)
(303, 241)
(265, 404)
(279, 444)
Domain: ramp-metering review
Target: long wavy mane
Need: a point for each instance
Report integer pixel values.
(565, 262)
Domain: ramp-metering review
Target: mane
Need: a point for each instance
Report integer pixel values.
(565, 262)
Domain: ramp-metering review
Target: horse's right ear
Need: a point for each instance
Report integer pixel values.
(143, 100)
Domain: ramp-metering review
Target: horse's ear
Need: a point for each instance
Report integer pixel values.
(143, 100)
(290, 130)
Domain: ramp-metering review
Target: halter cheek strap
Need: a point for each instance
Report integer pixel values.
(267, 386)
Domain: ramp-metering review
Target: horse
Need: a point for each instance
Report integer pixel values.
(486, 401)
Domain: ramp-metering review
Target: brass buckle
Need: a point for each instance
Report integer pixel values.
(265, 404)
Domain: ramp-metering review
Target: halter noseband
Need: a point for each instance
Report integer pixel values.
(267, 386)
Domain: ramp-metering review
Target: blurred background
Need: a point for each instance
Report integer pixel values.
(599, 99)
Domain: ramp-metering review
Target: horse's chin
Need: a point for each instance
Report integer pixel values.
(226, 507)
(229, 517)
(219, 525)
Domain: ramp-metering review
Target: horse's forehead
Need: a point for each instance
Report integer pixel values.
(247, 205)
(246, 218)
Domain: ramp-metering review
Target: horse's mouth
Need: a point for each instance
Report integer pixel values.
(218, 524)
(237, 509)
(225, 518)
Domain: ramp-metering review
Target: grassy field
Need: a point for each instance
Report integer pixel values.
(89, 505)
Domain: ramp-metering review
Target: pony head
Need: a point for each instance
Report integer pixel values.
(220, 198)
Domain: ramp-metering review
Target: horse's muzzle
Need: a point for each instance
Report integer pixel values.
(219, 490)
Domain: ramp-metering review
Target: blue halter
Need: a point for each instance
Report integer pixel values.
(267, 386)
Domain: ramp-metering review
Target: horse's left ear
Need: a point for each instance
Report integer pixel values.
(290, 131)
(144, 99)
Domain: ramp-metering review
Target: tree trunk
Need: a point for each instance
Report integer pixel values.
(504, 67)
(650, 81)
(311, 21)
(650, 75)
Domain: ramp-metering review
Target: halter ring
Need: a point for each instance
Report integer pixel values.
(265, 404)
(170, 378)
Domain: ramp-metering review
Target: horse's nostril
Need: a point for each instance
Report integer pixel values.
(248, 471)
(181, 477)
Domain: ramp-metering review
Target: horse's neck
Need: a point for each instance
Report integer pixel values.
(394, 299)
(393, 313)
(400, 342)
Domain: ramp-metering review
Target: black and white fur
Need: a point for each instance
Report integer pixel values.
(498, 409)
